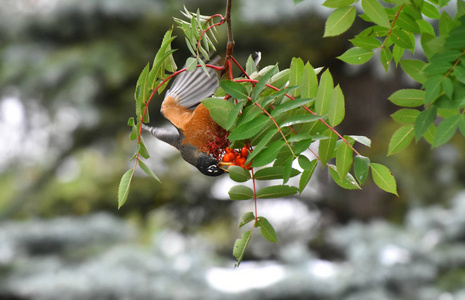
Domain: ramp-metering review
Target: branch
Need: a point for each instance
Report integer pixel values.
(230, 44)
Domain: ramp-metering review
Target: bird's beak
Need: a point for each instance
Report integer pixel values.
(222, 164)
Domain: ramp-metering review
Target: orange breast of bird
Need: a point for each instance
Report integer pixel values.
(197, 126)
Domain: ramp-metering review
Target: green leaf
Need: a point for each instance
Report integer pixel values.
(361, 139)
(234, 89)
(385, 57)
(147, 170)
(271, 173)
(337, 3)
(397, 53)
(408, 97)
(414, 69)
(276, 191)
(289, 105)
(324, 93)
(191, 64)
(347, 183)
(240, 192)
(339, 21)
(424, 121)
(261, 84)
(401, 139)
(430, 10)
(295, 74)
(267, 155)
(299, 119)
(406, 22)
(142, 88)
(366, 42)
(448, 87)
(262, 144)
(219, 110)
(309, 84)
(433, 87)
(246, 218)
(234, 113)
(143, 150)
(356, 56)
(446, 130)
(399, 37)
(405, 115)
(238, 174)
(462, 125)
(376, 12)
(249, 129)
(240, 245)
(326, 148)
(307, 174)
(266, 229)
(361, 168)
(123, 188)
(383, 178)
(425, 27)
(344, 159)
(336, 110)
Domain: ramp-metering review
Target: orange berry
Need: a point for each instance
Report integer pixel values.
(226, 158)
(244, 151)
(231, 157)
(240, 161)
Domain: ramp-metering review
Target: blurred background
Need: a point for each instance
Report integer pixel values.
(67, 76)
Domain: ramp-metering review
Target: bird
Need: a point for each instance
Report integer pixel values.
(195, 128)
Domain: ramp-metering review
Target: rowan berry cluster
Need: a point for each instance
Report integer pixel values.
(237, 157)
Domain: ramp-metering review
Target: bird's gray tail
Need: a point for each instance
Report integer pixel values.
(166, 136)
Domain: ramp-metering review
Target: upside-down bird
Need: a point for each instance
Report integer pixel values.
(183, 108)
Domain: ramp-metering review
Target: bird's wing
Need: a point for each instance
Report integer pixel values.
(189, 88)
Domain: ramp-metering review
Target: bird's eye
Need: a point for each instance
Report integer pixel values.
(212, 169)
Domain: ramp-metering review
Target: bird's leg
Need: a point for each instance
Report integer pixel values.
(166, 136)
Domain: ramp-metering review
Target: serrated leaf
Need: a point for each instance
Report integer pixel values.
(336, 111)
(261, 84)
(425, 27)
(238, 174)
(289, 105)
(406, 22)
(339, 21)
(299, 119)
(307, 175)
(401, 139)
(356, 56)
(267, 155)
(347, 183)
(271, 173)
(376, 12)
(266, 229)
(383, 178)
(147, 170)
(123, 188)
(448, 87)
(385, 57)
(408, 97)
(309, 84)
(262, 144)
(324, 93)
(446, 130)
(191, 64)
(405, 115)
(424, 121)
(430, 10)
(276, 191)
(361, 139)
(234, 89)
(344, 159)
(219, 110)
(246, 218)
(433, 86)
(361, 168)
(240, 192)
(240, 245)
(143, 150)
(249, 129)
(337, 3)
(295, 74)
(366, 42)
(414, 68)
(397, 53)
(326, 148)
(399, 37)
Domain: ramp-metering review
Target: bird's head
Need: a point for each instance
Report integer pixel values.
(208, 165)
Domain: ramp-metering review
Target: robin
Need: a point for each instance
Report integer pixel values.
(183, 108)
